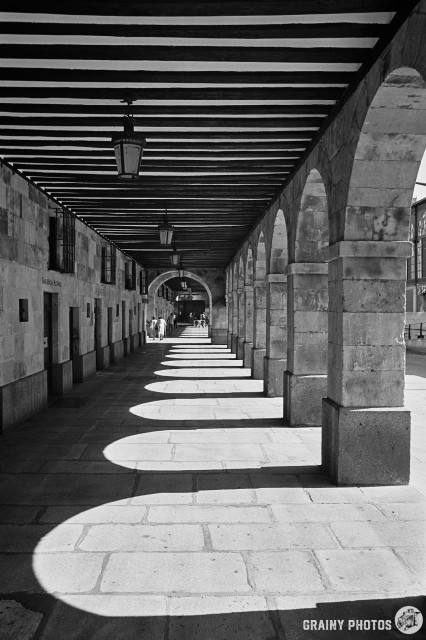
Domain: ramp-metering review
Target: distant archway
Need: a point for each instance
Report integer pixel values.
(279, 252)
(173, 273)
(312, 234)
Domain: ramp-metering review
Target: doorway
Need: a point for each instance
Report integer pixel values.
(48, 336)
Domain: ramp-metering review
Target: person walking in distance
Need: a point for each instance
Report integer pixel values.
(152, 327)
(161, 327)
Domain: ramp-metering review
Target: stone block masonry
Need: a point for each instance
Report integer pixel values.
(38, 353)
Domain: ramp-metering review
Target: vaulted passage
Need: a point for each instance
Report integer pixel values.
(212, 319)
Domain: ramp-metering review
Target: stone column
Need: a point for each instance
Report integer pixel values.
(259, 329)
(241, 324)
(229, 308)
(366, 431)
(248, 325)
(275, 360)
(234, 336)
(305, 381)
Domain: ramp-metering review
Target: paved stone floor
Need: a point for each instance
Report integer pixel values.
(164, 500)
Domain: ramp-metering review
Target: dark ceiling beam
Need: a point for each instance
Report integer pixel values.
(173, 77)
(241, 31)
(174, 93)
(75, 156)
(140, 123)
(158, 110)
(151, 135)
(206, 8)
(183, 53)
(213, 144)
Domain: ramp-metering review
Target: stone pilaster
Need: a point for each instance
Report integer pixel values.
(305, 381)
(276, 333)
(229, 301)
(241, 324)
(259, 329)
(366, 432)
(234, 335)
(248, 325)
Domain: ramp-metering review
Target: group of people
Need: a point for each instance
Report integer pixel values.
(199, 321)
(160, 328)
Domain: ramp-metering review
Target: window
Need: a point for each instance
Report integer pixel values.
(130, 275)
(108, 263)
(142, 282)
(62, 241)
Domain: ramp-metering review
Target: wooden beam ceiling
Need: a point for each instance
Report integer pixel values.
(228, 95)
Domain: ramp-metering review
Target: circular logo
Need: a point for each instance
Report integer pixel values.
(408, 620)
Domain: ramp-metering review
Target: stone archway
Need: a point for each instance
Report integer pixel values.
(305, 380)
(259, 309)
(366, 432)
(276, 309)
(173, 273)
(248, 308)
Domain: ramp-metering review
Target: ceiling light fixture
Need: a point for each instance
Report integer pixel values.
(175, 257)
(165, 230)
(128, 148)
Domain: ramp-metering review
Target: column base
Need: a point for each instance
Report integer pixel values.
(303, 396)
(21, 399)
(228, 339)
(366, 446)
(62, 378)
(234, 340)
(257, 366)
(240, 348)
(102, 357)
(248, 346)
(273, 376)
(84, 366)
(116, 351)
(218, 336)
(126, 345)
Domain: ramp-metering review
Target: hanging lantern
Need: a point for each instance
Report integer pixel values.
(175, 257)
(181, 271)
(166, 231)
(128, 149)
(183, 284)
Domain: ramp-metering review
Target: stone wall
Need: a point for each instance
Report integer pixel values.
(351, 221)
(25, 276)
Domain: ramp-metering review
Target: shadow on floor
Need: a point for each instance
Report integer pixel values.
(56, 468)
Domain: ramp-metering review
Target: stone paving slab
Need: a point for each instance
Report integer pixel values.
(68, 623)
(16, 622)
(68, 572)
(103, 514)
(175, 573)
(274, 536)
(211, 513)
(380, 534)
(366, 570)
(231, 542)
(26, 537)
(285, 571)
(325, 512)
(143, 537)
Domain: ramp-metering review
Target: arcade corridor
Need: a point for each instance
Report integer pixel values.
(165, 499)
(258, 168)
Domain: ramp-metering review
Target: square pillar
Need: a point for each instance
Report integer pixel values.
(366, 430)
(259, 329)
(305, 380)
(248, 325)
(234, 335)
(276, 334)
